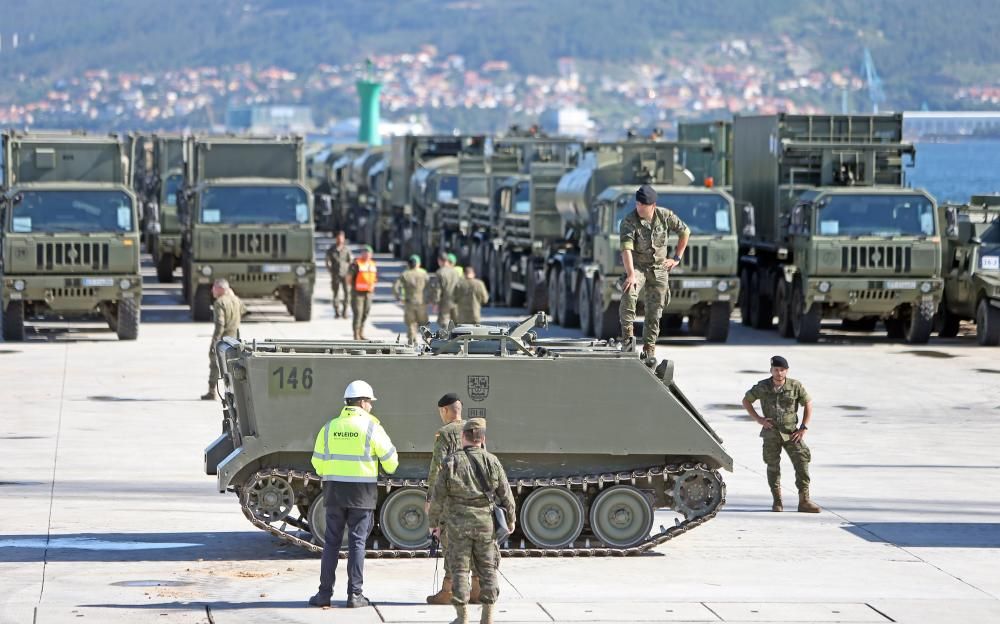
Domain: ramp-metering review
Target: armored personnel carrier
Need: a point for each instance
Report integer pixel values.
(589, 465)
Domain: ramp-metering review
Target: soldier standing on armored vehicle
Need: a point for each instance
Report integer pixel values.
(470, 296)
(409, 288)
(338, 259)
(447, 440)
(362, 276)
(446, 282)
(227, 311)
(465, 507)
(644, 254)
(779, 398)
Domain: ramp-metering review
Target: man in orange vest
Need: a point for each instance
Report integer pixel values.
(362, 277)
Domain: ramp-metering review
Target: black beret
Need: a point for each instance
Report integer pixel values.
(645, 195)
(779, 362)
(448, 399)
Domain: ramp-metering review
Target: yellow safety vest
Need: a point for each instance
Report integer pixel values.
(350, 447)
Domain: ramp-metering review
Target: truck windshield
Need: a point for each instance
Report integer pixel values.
(72, 211)
(703, 213)
(170, 189)
(875, 215)
(236, 205)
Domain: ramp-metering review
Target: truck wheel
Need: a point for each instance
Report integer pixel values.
(920, 326)
(165, 268)
(947, 322)
(127, 323)
(201, 304)
(761, 312)
(606, 322)
(535, 294)
(585, 307)
(805, 323)
(567, 315)
(745, 298)
(552, 286)
(13, 322)
(718, 322)
(987, 324)
(783, 310)
(512, 298)
(302, 304)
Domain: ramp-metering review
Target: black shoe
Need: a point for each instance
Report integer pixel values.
(319, 600)
(358, 600)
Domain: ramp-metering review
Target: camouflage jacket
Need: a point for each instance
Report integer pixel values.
(470, 295)
(228, 311)
(447, 440)
(410, 286)
(780, 406)
(647, 240)
(446, 280)
(458, 499)
(337, 260)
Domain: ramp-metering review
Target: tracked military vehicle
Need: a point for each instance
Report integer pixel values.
(69, 233)
(589, 465)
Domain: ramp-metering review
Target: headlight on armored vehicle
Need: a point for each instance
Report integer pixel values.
(300, 271)
(206, 270)
(823, 287)
(722, 286)
(19, 285)
(125, 284)
(926, 287)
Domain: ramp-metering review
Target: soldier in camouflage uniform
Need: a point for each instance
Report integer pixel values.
(409, 288)
(338, 259)
(780, 398)
(460, 502)
(228, 311)
(445, 283)
(644, 253)
(447, 440)
(470, 295)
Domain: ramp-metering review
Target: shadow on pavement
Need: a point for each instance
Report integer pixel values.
(930, 534)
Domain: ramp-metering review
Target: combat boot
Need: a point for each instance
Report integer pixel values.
(357, 335)
(648, 356)
(777, 505)
(628, 341)
(208, 396)
(806, 505)
(487, 616)
(475, 591)
(443, 597)
(462, 616)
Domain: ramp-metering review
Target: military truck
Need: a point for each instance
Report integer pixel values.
(163, 177)
(431, 184)
(338, 180)
(971, 269)
(713, 166)
(582, 488)
(834, 233)
(247, 217)
(70, 233)
(357, 193)
(584, 266)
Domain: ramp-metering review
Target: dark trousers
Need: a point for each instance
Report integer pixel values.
(359, 525)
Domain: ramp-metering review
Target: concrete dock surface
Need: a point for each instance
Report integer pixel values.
(109, 517)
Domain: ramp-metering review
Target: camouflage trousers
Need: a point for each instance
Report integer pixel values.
(443, 541)
(798, 452)
(650, 283)
(447, 312)
(361, 305)
(472, 552)
(340, 293)
(414, 315)
(213, 367)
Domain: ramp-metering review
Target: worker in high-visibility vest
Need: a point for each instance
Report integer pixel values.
(348, 451)
(362, 277)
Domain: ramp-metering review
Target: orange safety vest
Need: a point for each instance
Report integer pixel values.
(367, 275)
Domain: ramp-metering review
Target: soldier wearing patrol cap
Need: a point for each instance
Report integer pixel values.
(644, 234)
(463, 504)
(780, 397)
(409, 288)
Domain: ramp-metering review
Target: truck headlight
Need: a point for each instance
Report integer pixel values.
(823, 287)
(19, 285)
(125, 283)
(926, 287)
(722, 286)
(300, 271)
(206, 270)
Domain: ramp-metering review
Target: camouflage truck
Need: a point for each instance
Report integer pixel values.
(339, 183)
(357, 194)
(971, 269)
(710, 167)
(582, 488)
(584, 267)
(247, 217)
(482, 214)
(834, 233)
(163, 177)
(431, 184)
(70, 233)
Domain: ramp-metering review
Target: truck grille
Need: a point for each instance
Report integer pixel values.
(253, 277)
(695, 257)
(71, 293)
(71, 255)
(885, 257)
(254, 244)
(876, 295)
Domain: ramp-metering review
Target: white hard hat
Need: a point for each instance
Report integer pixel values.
(359, 389)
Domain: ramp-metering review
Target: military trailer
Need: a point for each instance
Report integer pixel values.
(584, 267)
(582, 487)
(834, 233)
(163, 177)
(70, 233)
(247, 218)
(711, 167)
(971, 269)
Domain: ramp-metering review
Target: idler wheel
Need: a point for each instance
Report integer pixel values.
(271, 498)
(696, 492)
(621, 516)
(403, 521)
(552, 517)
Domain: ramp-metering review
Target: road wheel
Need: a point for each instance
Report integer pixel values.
(744, 302)
(13, 322)
(552, 285)
(761, 314)
(586, 308)
(987, 324)
(201, 303)
(946, 321)
(783, 310)
(403, 520)
(918, 330)
(552, 517)
(128, 318)
(717, 329)
(805, 322)
(605, 318)
(621, 516)
(302, 303)
(165, 268)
